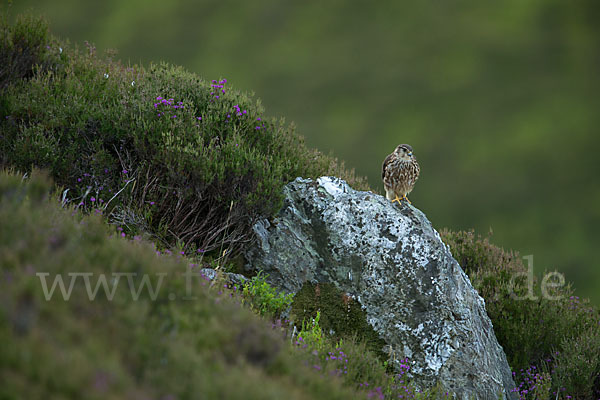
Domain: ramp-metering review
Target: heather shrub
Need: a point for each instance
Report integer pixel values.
(353, 362)
(157, 149)
(554, 336)
(150, 338)
(489, 267)
(575, 366)
(25, 47)
(148, 333)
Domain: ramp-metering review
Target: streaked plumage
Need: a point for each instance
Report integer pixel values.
(400, 171)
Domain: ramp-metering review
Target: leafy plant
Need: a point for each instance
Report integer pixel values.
(311, 333)
(264, 298)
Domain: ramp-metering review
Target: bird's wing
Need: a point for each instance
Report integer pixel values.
(385, 163)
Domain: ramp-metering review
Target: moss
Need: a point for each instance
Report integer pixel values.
(341, 315)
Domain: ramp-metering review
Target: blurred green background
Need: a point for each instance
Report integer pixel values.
(500, 100)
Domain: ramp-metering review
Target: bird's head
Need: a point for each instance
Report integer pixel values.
(404, 152)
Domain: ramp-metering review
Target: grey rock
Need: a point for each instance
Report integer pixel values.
(390, 259)
(234, 279)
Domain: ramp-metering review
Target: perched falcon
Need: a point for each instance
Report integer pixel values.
(400, 171)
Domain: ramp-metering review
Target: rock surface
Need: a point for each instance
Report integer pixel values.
(390, 259)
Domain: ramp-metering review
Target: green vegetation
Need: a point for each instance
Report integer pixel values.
(264, 298)
(356, 365)
(337, 313)
(158, 348)
(543, 338)
(114, 319)
(156, 150)
(184, 166)
(499, 99)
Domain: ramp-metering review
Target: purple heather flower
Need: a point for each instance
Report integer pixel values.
(78, 179)
(93, 199)
(125, 171)
(151, 203)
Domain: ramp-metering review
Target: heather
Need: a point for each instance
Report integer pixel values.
(147, 334)
(161, 347)
(552, 344)
(154, 171)
(158, 149)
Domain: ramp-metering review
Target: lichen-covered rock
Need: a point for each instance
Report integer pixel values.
(391, 260)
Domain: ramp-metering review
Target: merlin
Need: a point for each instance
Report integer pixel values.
(400, 171)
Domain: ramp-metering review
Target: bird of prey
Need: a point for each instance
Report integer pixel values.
(400, 171)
